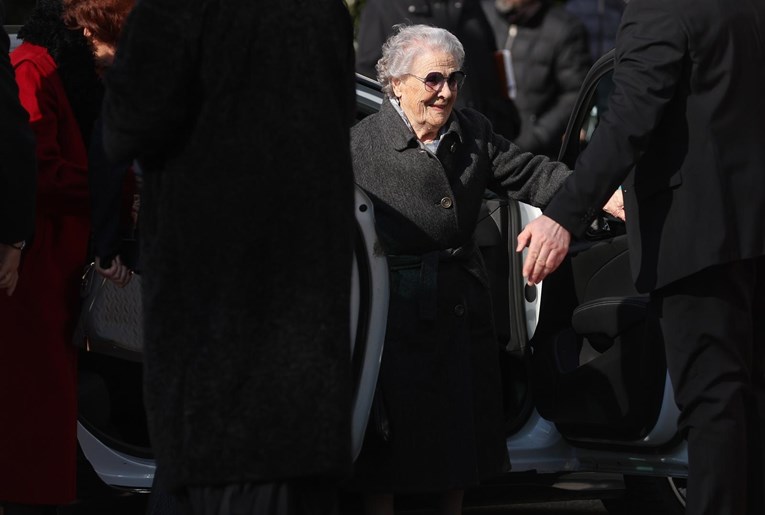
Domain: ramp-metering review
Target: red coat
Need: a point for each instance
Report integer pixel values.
(38, 367)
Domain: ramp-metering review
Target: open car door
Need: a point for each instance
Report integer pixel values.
(586, 384)
(598, 363)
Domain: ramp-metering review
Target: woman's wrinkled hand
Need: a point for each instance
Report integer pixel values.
(615, 205)
(117, 272)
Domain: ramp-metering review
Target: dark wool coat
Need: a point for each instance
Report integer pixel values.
(550, 59)
(439, 381)
(239, 112)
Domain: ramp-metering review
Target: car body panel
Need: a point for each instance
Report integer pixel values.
(115, 468)
(369, 317)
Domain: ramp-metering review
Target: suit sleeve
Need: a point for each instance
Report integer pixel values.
(107, 182)
(17, 157)
(149, 97)
(650, 52)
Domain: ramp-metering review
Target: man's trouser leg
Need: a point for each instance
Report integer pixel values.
(713, 330)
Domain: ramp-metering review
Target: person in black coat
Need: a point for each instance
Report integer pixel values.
(239, 114)
(426, 166)
(483, 89)
(688, 115)
(549, 55)
(18, 170)
(110, 184)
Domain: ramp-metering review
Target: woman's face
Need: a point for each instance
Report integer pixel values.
(426, 108)
(103, 53)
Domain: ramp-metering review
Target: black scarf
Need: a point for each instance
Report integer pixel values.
(74, 58)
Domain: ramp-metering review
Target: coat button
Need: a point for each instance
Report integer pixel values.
(446, 203)
(453, 148)
(459, 310)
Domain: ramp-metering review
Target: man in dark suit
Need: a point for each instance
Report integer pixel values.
(17, 170)
(688, 115)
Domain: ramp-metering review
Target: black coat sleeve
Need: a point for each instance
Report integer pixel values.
(650, 52)
(106, 180)
(17, 156)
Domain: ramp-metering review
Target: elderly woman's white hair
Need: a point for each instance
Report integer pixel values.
(409, 41)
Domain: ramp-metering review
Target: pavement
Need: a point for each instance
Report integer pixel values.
(135, 504)
(523, 494)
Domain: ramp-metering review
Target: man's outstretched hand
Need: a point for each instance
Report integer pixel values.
(548, 243)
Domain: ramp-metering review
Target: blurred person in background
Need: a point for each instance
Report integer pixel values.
(548, 57)
(17, 171)
(59, 89)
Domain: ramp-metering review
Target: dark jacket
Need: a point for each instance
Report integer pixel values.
(688, 114)
(241, 124)
(482, 89)
(440, 376)
(17, 156)
(471, 159)
(550, 60)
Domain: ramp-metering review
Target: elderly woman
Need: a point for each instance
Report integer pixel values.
(426, 167)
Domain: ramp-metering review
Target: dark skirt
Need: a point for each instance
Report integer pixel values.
(439, 390)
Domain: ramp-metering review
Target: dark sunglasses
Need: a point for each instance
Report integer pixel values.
(434, 81)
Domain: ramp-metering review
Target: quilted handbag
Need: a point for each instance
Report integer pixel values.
(111, 321)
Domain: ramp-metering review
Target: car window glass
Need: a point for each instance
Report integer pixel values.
(597, 107)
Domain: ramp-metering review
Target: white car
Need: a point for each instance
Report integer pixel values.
(586, 386)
